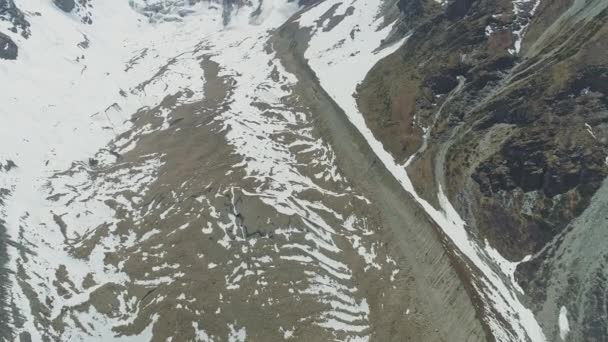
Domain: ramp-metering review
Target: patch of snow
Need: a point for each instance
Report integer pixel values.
(489, 30)
(200, 334)
(564, 325)
(287, 334)
(63, 103)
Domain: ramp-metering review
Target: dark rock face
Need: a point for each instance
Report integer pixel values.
(8, 48)
(521, 146)
(307, 2)
(9, 12)
(65, 5)
(531, 162)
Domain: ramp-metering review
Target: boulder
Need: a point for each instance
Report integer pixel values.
(65, 5)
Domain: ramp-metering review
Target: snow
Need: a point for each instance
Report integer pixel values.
(590, 130)
(63, 108)
(275, 164)
(507, 267)
(287, 334)
(236, 334)
(564, 326)
(201, 335)
(340, 70)
(63, 104)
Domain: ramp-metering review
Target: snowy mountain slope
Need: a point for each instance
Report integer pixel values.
(204, 170)
(87, 220)
(514, 137)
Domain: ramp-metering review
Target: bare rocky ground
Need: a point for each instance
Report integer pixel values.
(446, 310)
(257, 213)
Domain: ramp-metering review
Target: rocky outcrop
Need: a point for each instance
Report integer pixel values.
(551, 158)
(8, 48)
(65, 5)
(12, 14)
(17, 24)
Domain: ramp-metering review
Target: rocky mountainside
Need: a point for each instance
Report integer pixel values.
(503, 105)
(313, 170)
